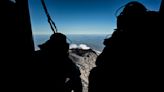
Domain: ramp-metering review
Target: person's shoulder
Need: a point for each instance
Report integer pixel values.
(37, 53)
(73, 65)
(70, 62)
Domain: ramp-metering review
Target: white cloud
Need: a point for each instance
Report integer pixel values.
(80, 46)
(84, 46)
(73, 46)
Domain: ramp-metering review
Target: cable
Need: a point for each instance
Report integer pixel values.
(50, 21)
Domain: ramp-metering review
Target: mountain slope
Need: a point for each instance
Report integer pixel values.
(85, 60)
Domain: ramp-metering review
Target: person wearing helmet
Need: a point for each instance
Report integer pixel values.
(126, 61)
(56, 71)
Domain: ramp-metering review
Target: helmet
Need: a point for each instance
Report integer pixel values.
(133, 7)
(132, 14)
(56, 40)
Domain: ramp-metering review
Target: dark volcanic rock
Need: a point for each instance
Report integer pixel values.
(85, 60)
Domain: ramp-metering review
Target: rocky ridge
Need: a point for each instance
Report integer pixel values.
(85, 60)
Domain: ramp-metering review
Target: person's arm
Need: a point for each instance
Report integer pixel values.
(74, 83)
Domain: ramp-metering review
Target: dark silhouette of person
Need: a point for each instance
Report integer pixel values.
(55, 71)
(130, 60)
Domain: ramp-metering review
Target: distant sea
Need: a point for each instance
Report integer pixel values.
(95, 42)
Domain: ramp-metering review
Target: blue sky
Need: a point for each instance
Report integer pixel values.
(80, 16)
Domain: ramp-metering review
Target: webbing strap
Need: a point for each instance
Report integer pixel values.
(50, 21)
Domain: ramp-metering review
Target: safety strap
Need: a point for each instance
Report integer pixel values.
(50, 21)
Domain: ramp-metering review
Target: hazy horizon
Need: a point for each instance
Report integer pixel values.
(70, 34)
(92, 41)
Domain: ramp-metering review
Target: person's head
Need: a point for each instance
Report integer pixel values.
(132, 15)
(57, 42)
